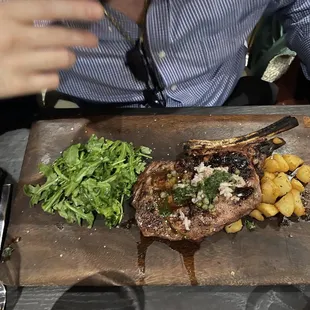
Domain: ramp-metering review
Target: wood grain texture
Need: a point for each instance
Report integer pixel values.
(52, 252)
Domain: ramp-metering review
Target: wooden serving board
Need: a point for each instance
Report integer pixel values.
(52, 252)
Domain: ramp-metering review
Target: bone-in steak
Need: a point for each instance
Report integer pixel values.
(213, 185)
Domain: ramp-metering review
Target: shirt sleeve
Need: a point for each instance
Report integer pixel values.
(295, 17)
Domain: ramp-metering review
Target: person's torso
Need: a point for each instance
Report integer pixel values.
(198, 48)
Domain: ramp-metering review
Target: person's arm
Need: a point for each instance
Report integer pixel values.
(295, 17)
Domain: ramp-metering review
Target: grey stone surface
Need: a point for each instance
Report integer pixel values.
(12, 148)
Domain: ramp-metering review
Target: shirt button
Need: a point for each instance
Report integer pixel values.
(162, 54)
(174, 87)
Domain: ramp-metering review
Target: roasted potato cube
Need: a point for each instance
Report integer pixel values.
(271, 165)
(257, 215)
(277, 140)
(293, 161)
(283, 182)
(284, 167)
(270, 191)
(234, 227)
(269, 175)
(267, 209)
(299, 208)
(264, 179)
(303, 174)
(297, 185)
(286, 205)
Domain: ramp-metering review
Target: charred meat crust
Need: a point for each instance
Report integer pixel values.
(235, 161)
(188, 163)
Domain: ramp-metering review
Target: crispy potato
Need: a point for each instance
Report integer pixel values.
(284, 167)
(283, 182)
(297, 185)
(263, 180)
(286, 205)
(299, 208)
(234, 227)
(303, 174)
(257, 215)
(270, 191)
(267, 209)
(269, 175)
(277, 140)
(293, 161)
(271, 165)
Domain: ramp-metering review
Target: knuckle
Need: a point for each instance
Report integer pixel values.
(74, 36)
(78, 38)
(32, 84)
(12, 36)
(7, 41)
(65, 36)
(54, 82)
(30, 38)
(67, 58)
(39, 82)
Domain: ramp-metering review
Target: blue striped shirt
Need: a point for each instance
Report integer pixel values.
(197, 46)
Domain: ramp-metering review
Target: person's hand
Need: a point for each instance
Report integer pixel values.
(30, 57)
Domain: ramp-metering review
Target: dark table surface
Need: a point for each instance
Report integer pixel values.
(12, 148)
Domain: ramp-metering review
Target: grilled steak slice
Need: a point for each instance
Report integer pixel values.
(213, 185)
(157, 215)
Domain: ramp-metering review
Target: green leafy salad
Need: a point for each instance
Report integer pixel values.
(90, 179)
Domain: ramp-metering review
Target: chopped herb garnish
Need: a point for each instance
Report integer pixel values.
(208, 207)
(211, 185)
(249, 225)
(183, 194)
(204, 193)
(164, 209)
(145, 150)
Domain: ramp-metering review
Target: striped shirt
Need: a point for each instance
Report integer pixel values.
(197, 46)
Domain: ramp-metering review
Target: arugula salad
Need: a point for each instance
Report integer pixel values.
(90, 179)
